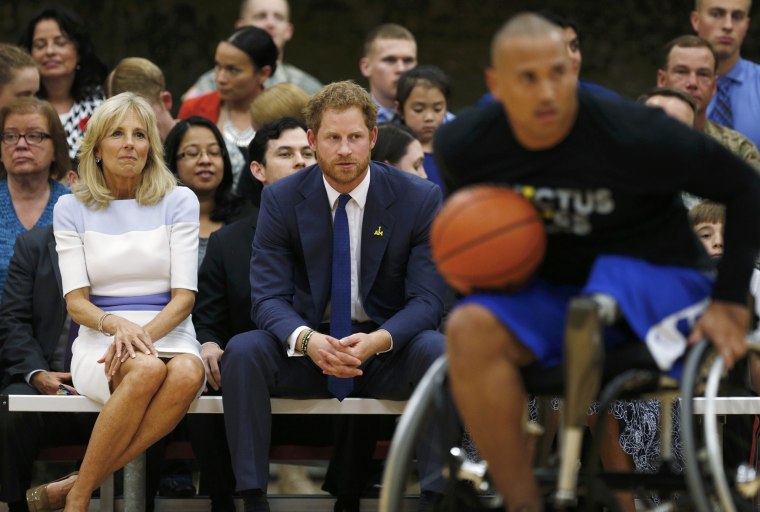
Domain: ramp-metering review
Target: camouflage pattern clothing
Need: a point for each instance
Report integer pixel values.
(739, 145)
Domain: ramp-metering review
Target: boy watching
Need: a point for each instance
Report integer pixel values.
(707, 219)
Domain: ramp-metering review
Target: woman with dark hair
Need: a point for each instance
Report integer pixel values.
(397, 146)
(244, 61)
(196, 154)
(70, 72)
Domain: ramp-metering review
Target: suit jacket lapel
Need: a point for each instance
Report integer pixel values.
(54, 261)
(377, 227)
(315, 230)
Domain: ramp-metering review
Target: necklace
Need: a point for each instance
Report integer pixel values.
(235, 135)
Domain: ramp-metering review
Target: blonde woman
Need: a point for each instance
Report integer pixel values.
(127, 240)
(281, 100)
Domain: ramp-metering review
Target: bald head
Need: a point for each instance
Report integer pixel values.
(524, 25)
(534, 80)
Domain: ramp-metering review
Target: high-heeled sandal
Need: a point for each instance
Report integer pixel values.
(37, 498)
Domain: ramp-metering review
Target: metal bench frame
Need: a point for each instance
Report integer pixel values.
(134, 472)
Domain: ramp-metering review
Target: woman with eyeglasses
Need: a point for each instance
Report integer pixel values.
(196, 154)
(34, 158)
(70, 72)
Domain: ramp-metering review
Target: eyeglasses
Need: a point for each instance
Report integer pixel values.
(31, 138)
(194, 153)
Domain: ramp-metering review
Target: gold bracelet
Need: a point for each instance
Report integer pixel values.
(100, 324)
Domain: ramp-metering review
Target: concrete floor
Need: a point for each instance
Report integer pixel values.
(276, 503)
(319, 501)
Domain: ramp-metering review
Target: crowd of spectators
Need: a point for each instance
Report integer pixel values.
(257, 255)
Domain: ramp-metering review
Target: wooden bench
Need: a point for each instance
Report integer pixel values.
(134, 472)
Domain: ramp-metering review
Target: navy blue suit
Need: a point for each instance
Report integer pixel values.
(290, 286)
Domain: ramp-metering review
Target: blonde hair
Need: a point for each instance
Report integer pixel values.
(137, 75)
(156, 179)
(13, 58)
(282, 100)
(707, 212)
(340, 96)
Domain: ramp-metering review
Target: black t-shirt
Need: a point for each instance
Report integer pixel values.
(612, 186)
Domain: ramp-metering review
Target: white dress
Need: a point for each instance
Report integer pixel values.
(130, 257)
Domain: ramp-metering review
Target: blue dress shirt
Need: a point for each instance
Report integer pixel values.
(745, 99)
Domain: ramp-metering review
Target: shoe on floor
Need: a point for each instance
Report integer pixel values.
(295, 480)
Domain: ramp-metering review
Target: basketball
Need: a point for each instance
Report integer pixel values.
(487, 237)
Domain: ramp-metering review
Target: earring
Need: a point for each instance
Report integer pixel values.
(98, 161)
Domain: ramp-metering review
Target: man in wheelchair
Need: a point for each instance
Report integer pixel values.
(606, 176)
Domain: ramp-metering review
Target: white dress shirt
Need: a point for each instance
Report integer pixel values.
(355, 214)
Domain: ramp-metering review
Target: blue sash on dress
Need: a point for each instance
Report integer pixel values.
(155, 302)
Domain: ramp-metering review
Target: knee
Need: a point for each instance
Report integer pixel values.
(475, 336)
(237, 346)
(468, 325)
(186, 371)
(431, 345)
(147, 372)
(246, 348)
(250, 363)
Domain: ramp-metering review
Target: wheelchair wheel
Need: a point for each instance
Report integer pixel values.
(710, 480)
(431, 404)
(466, 485)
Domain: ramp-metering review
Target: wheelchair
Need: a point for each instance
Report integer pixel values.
(627, 372)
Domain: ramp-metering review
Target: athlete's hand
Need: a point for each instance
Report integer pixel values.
(725, 324)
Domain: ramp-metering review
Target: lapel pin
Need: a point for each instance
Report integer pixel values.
(379, 231)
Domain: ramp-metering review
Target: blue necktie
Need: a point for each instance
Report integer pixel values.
(340, 298)
(722, 113)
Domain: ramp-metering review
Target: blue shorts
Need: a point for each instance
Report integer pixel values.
(660, 304)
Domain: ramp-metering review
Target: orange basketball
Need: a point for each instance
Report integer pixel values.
(487, 237)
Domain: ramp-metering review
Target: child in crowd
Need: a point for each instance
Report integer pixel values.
(422, 98)
(397, 146)
(707, 220)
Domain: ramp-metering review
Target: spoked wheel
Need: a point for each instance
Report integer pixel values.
(465, 481)
(711, 482)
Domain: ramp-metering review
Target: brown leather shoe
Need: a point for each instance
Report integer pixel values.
(37, 498)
